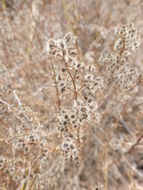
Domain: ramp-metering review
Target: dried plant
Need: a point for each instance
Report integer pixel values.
(71, 95)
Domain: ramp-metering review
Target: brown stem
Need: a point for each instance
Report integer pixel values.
(56, 87)
(133, 147)
(123, 48)
(80, 88)
(32, 183)
(72, 78)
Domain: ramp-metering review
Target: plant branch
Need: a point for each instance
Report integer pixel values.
(56, 87)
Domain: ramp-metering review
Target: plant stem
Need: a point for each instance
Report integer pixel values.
(56, 87)
(72, 78)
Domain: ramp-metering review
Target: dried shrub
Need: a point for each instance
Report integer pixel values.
(71, 95)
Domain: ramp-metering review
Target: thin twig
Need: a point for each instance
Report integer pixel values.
(133, 147)
(56, 87)
(72, 78)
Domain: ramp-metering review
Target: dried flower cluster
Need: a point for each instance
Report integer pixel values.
(71, 95)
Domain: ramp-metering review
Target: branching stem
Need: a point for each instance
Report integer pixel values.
(72, 78)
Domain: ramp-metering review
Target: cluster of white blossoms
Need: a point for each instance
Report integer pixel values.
(116, 65)
(70, 150)
(84, 82)
(126, 39)
(65, 49)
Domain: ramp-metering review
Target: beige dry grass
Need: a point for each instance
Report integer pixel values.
(71, 96)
